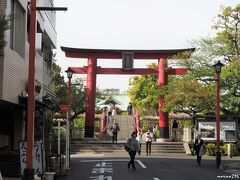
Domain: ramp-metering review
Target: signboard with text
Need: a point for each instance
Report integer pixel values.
(37, 156)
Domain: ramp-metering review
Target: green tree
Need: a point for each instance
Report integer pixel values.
(144, 93)
(186, 94)
(228, 36)
(230, 88)
(78, 104)
(195, 92)
(228, 31)
(224, 46)
(60, 86)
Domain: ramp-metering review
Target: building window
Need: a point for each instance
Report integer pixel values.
(18, 29)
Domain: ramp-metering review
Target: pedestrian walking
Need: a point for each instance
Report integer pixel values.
(148, 140)
(114, 111)
(174, 130)
(115, 129)
(134, 147)
(198, 147)
(130, 109)
(139, 139)
(109, 110)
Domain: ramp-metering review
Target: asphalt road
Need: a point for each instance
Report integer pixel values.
(147, 168)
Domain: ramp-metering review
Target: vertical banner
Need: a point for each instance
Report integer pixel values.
(37, 156)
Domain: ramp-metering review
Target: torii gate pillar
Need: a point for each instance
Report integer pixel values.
(91, 97)
(163, 116)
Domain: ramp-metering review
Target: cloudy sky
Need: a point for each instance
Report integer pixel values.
(131, 24)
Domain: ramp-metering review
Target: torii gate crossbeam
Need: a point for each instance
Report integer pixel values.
(92, 70)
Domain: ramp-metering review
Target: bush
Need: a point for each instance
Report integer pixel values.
(97, 126)
(235, 149)
(145, 127)
(55, 142)
(79, 122)
(211, 149)
(157, 134)
(188, 123)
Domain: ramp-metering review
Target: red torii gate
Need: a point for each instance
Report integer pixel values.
(92, 70)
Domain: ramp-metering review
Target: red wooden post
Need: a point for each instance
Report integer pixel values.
(136, 120)
(163, 116)
(102, 129)
(29, 171)
(91, 96)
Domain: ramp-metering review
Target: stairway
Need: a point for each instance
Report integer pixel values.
(126, 124)
(96, 147)
(101, 143)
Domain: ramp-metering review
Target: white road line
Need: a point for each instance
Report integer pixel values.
(105, 160)
(141, 164)
(156, 179)
(114, 160)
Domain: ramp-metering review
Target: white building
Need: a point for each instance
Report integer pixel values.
(14, 79)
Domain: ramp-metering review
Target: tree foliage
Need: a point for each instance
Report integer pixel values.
(60, 86)
(228, 31)
(186, 94)
(144, 93)
(230, 88)
(78, 92)
(195, 93)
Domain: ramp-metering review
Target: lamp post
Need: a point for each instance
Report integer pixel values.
(69, 76)
(218, 66)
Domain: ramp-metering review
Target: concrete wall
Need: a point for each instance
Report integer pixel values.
(14, 68)
(14, 76)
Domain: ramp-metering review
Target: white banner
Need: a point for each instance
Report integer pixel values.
(37, 156)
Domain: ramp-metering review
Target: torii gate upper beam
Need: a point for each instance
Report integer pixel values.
(117, 54)
(135, 71)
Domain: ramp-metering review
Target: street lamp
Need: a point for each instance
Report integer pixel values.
(69, 76)
(69, 73)
(218, 66)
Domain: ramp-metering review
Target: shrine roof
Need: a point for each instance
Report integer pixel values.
(117, 53)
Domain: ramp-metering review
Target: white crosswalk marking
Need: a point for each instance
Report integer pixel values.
(141, 164)
(115, 160)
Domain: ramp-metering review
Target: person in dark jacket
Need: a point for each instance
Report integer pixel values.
(198, 147)
(130, 109)
(134, 147)
(115, 128)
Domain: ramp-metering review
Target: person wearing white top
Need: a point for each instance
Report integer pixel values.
(148, 140)
(139, 139)
(114, 112)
